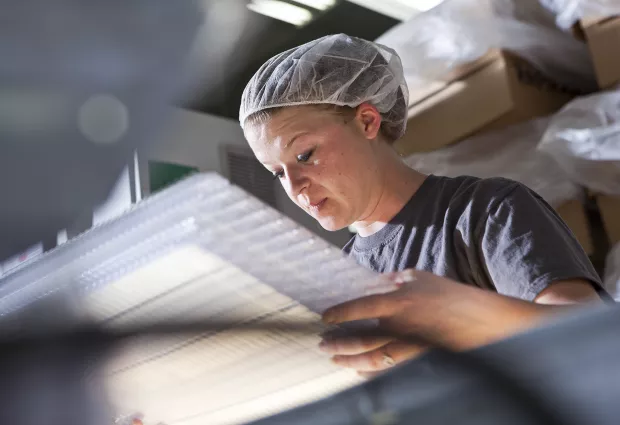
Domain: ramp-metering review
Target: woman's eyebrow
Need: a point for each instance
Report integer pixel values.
(294, 139)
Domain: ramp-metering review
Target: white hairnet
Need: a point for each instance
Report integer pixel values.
(335, 69)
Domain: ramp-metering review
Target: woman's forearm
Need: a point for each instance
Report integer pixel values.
(491, 316)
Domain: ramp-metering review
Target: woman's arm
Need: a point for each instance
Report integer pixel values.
(444, 312)
(526, 249)
(567, 292)
(530, 256)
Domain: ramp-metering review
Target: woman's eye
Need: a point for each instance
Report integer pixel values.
(305, 156)
(278, 175)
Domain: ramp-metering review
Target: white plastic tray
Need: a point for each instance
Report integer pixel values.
(198, 250)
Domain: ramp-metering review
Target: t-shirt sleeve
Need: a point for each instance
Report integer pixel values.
(526, 246)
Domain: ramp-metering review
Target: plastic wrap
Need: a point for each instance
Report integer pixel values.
(528, 11)
(584, 139)
(509, 153)
(434, 43)
(612, 273)
(570, 11)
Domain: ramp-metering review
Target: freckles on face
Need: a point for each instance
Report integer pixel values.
(316, 157)
(343, 174)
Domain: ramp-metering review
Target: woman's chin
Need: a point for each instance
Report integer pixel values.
(332, 224)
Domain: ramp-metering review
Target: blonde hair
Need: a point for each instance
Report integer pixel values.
(346, 112)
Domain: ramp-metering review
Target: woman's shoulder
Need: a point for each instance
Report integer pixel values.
(473, 197)
(469, 187)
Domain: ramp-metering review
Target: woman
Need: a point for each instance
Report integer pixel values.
(322, 118)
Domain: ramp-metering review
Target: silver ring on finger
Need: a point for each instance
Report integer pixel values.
(388, 360)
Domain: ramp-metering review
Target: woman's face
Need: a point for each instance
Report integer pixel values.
(324, 161)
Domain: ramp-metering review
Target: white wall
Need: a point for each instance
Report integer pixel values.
(196, 140)
(192, 139)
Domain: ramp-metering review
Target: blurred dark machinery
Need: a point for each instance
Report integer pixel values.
(83, 85)
(566, 373)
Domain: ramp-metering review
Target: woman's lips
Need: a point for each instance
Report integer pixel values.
(316, 207)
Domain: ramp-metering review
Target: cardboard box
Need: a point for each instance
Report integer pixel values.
(574, 215)
(506, 91)
(603, 38)
(418, 93)
(609, 206)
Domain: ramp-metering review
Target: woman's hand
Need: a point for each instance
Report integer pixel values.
(433, 308)
(369, 355)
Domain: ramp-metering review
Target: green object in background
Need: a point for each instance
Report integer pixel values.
(163, 174)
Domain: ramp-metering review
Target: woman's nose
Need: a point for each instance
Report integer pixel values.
(297, 182)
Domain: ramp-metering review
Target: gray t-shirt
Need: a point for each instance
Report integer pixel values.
(491, 233)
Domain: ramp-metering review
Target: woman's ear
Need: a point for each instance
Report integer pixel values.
(368, 119)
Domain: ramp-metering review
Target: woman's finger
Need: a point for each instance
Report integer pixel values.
(352, 345)
(405, 277)
(369, 307)
(382, 286)
(368, 375)
(390, 282)
(381, 358)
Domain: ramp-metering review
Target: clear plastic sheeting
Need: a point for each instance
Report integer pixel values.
(570, 11)
(530, 11)
(509, 153)
(202, 251)
(584, 139)
(612, 273)
(435, 43)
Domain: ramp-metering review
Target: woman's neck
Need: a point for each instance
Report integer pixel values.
(398, 183)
